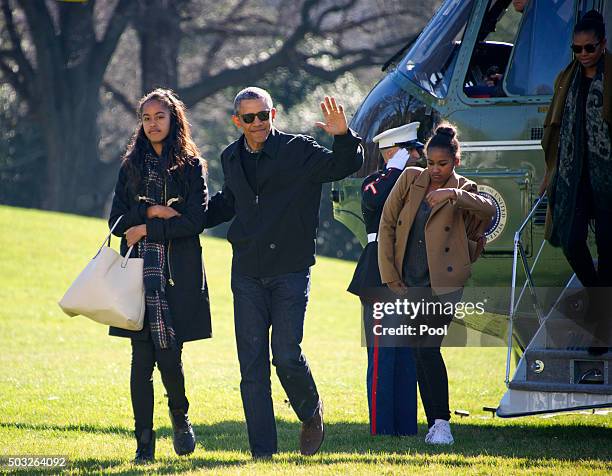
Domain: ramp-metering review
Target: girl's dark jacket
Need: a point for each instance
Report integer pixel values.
(188, 298)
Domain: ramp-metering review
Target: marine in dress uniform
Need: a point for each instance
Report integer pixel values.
(391, 375)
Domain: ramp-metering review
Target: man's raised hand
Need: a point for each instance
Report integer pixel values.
(333, 114)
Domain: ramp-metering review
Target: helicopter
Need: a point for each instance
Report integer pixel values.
(489, 69)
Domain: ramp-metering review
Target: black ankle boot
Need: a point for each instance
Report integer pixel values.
(184, 437)
(145, 452)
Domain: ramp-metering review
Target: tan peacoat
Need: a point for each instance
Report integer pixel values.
(451, 232)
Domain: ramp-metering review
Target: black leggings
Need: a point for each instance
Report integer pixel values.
(431, 370)
(433, 383)
(144, 358)
(577, 252)
(431, 373)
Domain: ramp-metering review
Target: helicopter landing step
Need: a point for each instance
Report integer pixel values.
(557, 380)
(517, 403)
(555, 372)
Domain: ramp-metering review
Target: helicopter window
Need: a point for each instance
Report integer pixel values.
(492, 51)
(487, 67)
(431, 60)
(542, 47)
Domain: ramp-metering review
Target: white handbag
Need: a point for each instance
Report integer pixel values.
(109, 290)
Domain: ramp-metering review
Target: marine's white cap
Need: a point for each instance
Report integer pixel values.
(399, 135)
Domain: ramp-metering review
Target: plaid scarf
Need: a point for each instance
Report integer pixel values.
(577, 151)
(154, 255)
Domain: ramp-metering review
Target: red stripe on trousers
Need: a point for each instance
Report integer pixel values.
(374, 385)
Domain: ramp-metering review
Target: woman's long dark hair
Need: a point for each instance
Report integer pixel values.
(178, 146)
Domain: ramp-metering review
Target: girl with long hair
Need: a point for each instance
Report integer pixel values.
(159, 203)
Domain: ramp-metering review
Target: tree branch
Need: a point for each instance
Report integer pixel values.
(210, 84)
(243, 20)
(43, 35)
(333, 9)
(305, 15)
(231, 17)
(213, 50)
(121, 98)
(333, 74)
(103, 50)
(361, 23)
(228, 31)
(380, 51)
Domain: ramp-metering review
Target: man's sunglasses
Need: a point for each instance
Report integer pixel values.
(261, 115)
(589, 48)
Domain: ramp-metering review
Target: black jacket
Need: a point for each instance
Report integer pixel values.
(374, 192)
(375, 189)
(276, 225)
(188, 298)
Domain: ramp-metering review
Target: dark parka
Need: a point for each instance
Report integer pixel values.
(188, 298)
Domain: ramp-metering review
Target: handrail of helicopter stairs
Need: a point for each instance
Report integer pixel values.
(519, 252)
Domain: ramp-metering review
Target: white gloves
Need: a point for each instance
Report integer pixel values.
(399, 159)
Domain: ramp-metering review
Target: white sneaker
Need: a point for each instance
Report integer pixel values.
(428, 435)
(440, 434)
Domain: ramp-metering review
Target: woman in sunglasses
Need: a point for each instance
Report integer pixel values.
(161, 198)
(578, 152)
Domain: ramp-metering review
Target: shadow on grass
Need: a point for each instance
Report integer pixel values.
(348, 442)
(71, 428)
(573, 442)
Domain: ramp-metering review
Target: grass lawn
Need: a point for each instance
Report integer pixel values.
(64, 384)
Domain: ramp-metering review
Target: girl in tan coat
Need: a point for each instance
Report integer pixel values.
(430, 233)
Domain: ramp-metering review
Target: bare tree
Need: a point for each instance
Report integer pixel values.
(158, 24)
(200, 47)
(246, 40)
(54, 59)
(55, 56)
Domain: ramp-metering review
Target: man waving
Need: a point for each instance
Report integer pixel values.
(272, 187)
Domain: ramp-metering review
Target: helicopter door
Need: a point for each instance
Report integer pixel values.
(586, 5)
(518, 54)
(607, 14)
(541, 50)
(507, 88)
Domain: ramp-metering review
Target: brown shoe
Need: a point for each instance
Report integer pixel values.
(311, 437)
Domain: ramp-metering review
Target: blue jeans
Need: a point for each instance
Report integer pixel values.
(277, 302)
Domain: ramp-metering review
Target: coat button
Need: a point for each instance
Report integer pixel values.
(449, 269)
(399, 223)
(447, 249)
(447, 228)
(272, 246)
